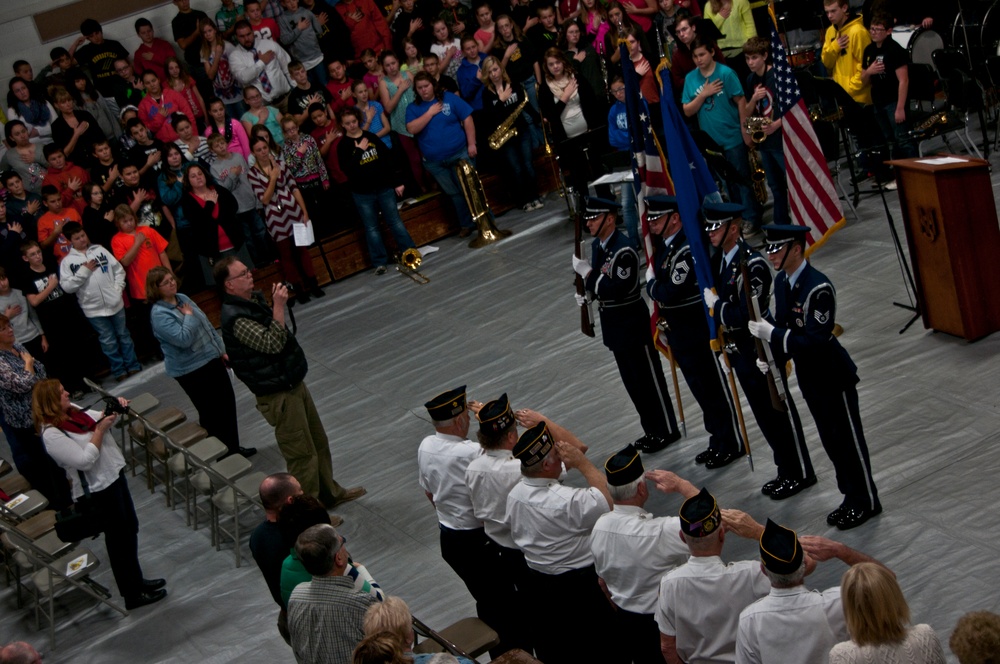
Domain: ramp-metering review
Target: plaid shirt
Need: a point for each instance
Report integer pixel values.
(325, 619)
(270, 340)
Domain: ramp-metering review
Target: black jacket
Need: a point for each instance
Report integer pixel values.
(552, 108)
(206, 228)
(263, 373)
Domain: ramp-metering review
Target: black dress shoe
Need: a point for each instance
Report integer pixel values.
(302, 297)
(153, 584)
(833, 517)
(852, 517)
(650, 444)
(316, 291)
(248, 451)
(789, 487)
(144, 598)
(770, 486)
(704, 456)
(722, 459)
(465, 232)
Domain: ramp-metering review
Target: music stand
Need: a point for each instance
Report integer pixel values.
(904, 267)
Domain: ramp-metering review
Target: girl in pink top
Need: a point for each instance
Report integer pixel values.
(220, 123)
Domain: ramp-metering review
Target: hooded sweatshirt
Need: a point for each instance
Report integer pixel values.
(99, 291)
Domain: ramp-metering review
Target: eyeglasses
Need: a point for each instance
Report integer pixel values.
(615, 91)
(167, 281)
(876, 29)
(239, 275)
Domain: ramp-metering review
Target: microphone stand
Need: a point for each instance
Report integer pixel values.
(904, 268)
(965, 35)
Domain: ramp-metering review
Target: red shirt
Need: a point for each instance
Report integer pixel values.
(47, 226)
(158, 123)
(338, 104)
(366, 24)
(332, 162)
(147, 258)
(153, 58)
(267, 29)
(60, 180)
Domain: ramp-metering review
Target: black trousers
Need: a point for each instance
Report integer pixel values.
(838, 421)
(705, 380)
(640, 636)
(475, 558)
(211, 392)
(783, 431)
(639, 367)
(577, 615)
(519, 611)
(121, 536)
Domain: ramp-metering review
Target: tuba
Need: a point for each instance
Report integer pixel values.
(475, 198)
(507, 130)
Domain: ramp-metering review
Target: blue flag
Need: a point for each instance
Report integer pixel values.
(693, 185)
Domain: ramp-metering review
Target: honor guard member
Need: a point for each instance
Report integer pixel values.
(783, 431)
(442, 460)
(612, 277)
(700, 602)
(633, 550)
(671, 283)
(804, 313)
(490, 477)
(551, 524)
(794, 625)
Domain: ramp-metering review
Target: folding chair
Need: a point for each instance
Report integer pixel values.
(964, 96)
(163, 448)
(233, 501)
(206, 451)
(469, 637)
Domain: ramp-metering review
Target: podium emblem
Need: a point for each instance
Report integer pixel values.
(928, 220)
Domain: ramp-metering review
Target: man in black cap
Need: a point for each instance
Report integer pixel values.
(700, 602)
(816, 619)
(551, 524)
(612, 277)
(729, 305)
(442, 460)
(804, 315)
(671, 282)
(633, 550)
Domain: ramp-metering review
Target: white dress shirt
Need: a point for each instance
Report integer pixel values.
(74, 451)
(551, 523)
(700, 604)
(791, 626)
(247, 69)
(442, 460)
(632, 551)
(490, 478)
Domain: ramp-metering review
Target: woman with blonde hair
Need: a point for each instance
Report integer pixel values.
(392, 617)
(501, 98)
(878, 619)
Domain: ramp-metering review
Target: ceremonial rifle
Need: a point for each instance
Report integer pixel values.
(774, 384)
(586, 315)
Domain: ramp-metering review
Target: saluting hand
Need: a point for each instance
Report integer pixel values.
(570, 455)
(742, 524)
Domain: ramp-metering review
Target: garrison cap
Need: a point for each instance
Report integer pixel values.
(700, 515)
(447, 404)
(594, 207)
(533, 445)
(777, 235)
(658, 206)
(624, 466)
(780, 550)
(496, 416)
(717, 214)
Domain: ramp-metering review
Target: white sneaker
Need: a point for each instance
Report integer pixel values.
(539, 203)
(890, 186)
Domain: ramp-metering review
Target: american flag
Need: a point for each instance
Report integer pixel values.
(649, 169)
(813, 200)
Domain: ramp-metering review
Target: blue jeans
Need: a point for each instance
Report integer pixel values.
(368, 206)
(517, 153)
(773, 162)
(317, 75)
(630, 213)
(533, 126)
(738, 192)
(116, 343)
(445, 175)
(896, 134)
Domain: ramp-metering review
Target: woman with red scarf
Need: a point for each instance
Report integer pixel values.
(81, 442)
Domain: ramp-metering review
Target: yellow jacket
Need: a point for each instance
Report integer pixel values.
(846, 68)
(738, 28)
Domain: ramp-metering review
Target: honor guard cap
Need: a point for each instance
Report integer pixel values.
(778, 235)
(594, 207)
(658, 206)
(717, 214)
(623, 467)
(780, 550)
(447, 404)
(533, 445)
(496, 416)
(700, 515)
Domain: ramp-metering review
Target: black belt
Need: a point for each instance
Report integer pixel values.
(612, 305)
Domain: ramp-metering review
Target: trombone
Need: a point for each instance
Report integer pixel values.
(407, 264)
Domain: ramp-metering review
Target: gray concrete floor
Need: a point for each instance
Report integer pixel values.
(503, 319)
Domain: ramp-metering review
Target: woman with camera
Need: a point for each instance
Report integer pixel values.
(194, 356)
(81, 442)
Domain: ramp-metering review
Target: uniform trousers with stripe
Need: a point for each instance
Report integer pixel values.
(639, 367)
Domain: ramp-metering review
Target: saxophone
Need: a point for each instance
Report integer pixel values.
(507, 130)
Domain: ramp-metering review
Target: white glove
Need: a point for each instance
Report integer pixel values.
(650, 274)
(710, 298)
(581, 267)
(723, 363)
(760, 329)
(580, 300)
(763, 366)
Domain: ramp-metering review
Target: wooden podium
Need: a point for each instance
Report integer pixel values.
(950, 218)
